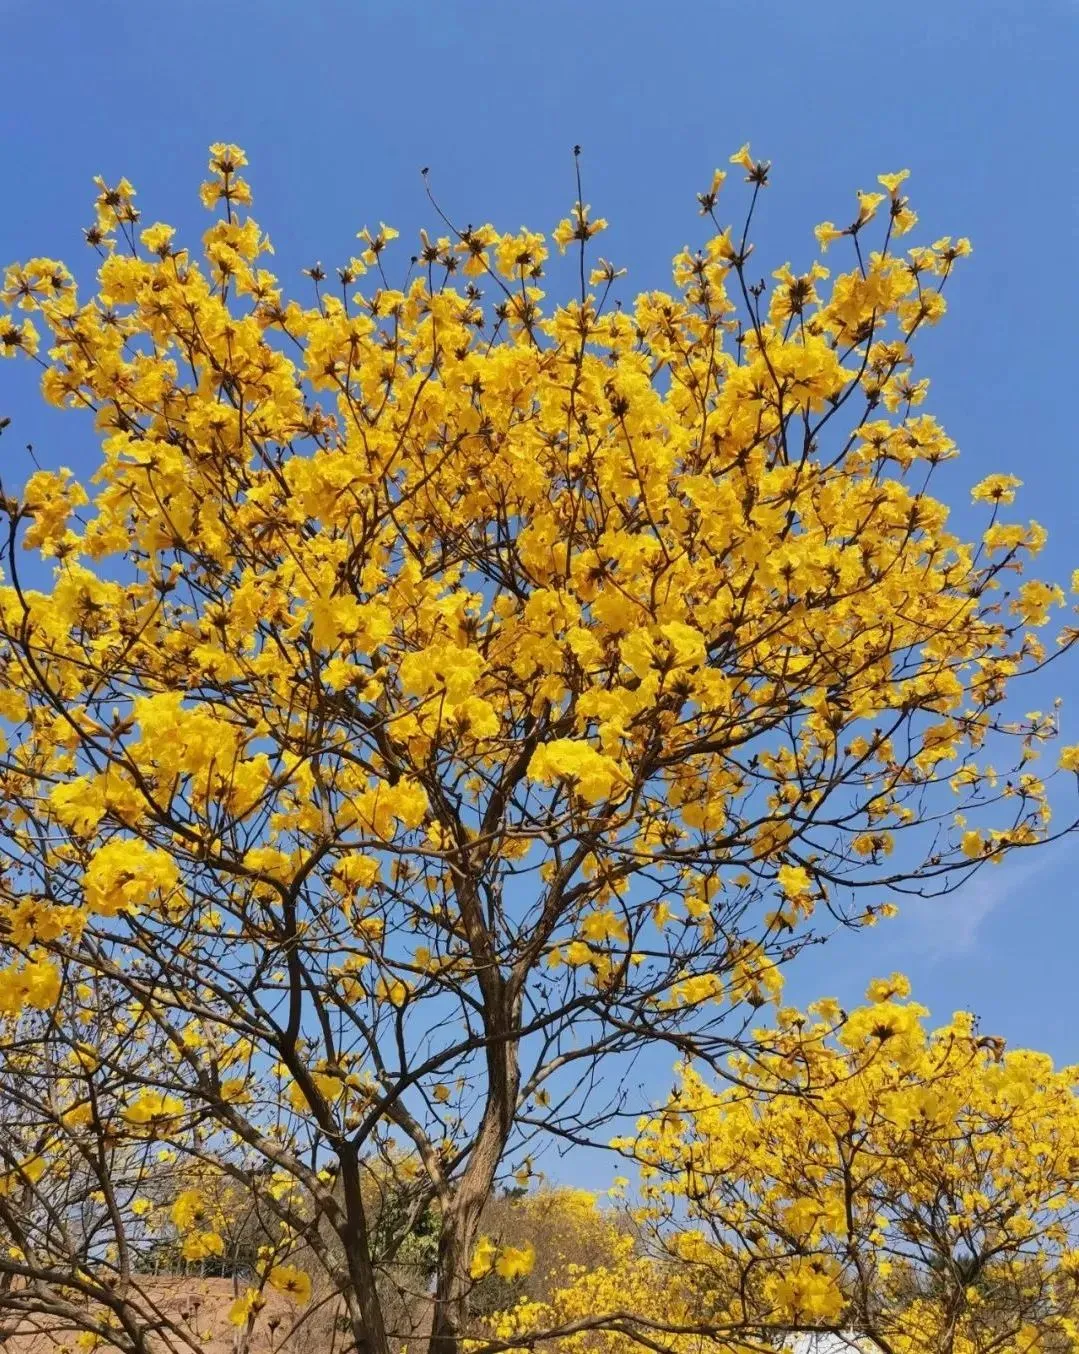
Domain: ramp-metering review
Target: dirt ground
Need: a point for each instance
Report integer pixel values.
(197, 1308)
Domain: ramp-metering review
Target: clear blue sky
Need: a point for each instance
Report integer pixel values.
(339, 104)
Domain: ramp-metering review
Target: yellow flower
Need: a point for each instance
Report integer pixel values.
(867, 206)
(827, 234)
(594, 776)
(885, 989)
(707, 200)
(794, 880)
(188, 1208)
(483, 1257)
(249, 1303)
(996, 489)
(973, 844)
(201, 1245)
(392, 990)
(15, 338)
(157, 237)
(154, 1109)
(603, 926)
(294, 1283)
(514, 1262)
(892, 181)
(742, 157)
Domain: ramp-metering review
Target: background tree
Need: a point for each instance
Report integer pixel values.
(544, 1239)
(865, 1178)
(440, 699)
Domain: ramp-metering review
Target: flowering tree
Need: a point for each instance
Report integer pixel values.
(909, 1191)
(439, 698)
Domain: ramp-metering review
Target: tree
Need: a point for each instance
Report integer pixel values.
(532, 1241)
(439, 701)
(911, 1191)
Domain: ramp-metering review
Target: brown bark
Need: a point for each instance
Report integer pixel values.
(368, 1326)
(460, 1219)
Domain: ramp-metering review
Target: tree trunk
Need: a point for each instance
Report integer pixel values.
(368, 1326)
(450, 1306)
(460, 1221)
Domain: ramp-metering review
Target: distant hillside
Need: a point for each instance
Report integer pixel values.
(196, 1308)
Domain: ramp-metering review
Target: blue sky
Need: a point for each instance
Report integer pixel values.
(339, 104)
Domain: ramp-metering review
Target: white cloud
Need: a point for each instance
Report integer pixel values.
(950, 925)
